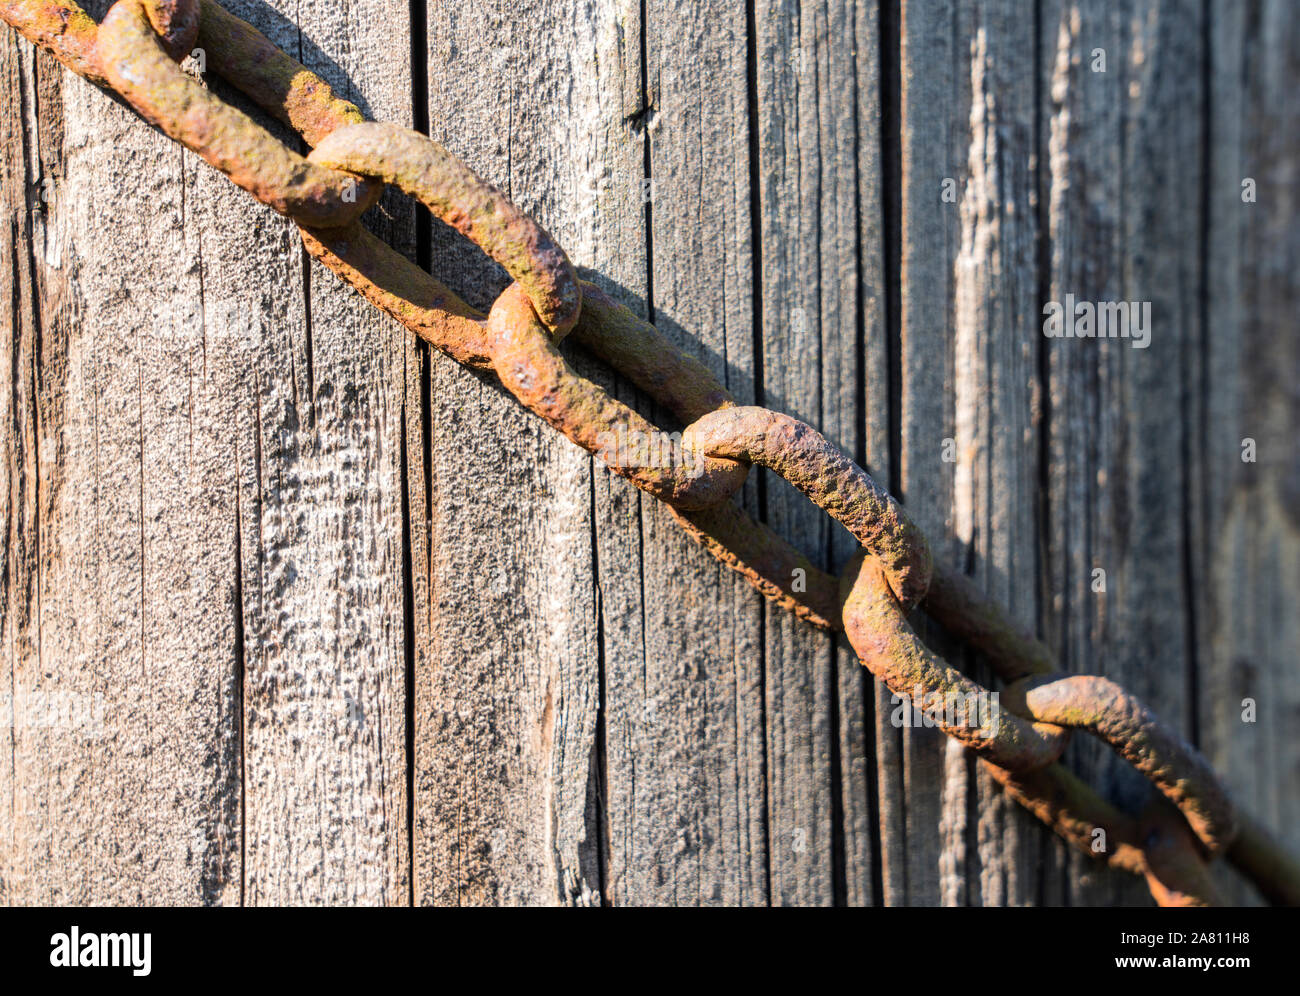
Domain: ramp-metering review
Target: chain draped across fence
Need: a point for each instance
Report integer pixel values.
(134, 54)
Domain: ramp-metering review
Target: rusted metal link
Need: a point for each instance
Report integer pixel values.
(62, 28)
(629, 344)
(419, 166)
(1090, 702)
(768, 562)
(1175, 868)
(877, 628)
(969, 614)
(284, 88)
(1274, 870)
(1103, 708)
(176, 23)
(395, 285)
(132, 58)
(1168, 857)
(533, 370)
(830, 479)
(1158, 847)
(1070, 807)
(65, 30)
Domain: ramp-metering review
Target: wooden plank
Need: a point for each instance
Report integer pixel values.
(18, 436)
(507, 663)
(998, 414)
(810, 62)
(930, 63)
(1247, 544)
(1124, 162)
(968, 357)
(122, 769)
(188, 392)
(320, 379)
(683, 654)
(859, 694)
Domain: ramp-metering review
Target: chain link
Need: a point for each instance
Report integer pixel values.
(133, 54)
(420, 167)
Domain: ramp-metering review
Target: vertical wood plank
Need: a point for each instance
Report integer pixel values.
(683, 654)
(20, 190)
(809, 115)
(122, 773)
(319, 453)
(931, 70)
(859, 694)
(1247, 546)
(507, 669)
(1125, 176)
(969, 352)
(997, 411)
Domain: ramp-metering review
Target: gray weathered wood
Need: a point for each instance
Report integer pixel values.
(683, 663)
(969, 351)
(1246, 558)
(298, 611)
(121, 778)
(507, 669)
(320, 438)
(1124, 175)
(815, 118)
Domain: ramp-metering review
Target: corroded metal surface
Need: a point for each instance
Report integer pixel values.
(132, 58)
(876, 625)
(1175, 872)
(831, 480)
(697, 471)
(533, 370)
(281, 86)
(419, 166)
(967, 613)
(1103, 708)
(176, 22)
(397, 286)
(634, 347)
(1064, 802)
(62, 28)
(768, 562)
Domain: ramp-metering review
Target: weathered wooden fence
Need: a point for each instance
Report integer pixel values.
(296, 612)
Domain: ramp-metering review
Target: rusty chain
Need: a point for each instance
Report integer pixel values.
(134, 53)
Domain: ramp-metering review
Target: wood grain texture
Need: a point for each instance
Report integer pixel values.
(120, 777)
(210, 529)
(1124, 177)
(320, 445)
(932, 150)
(1246, 556)
(507, 667)
(969, 413)
(812, 115)
(684, 736)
